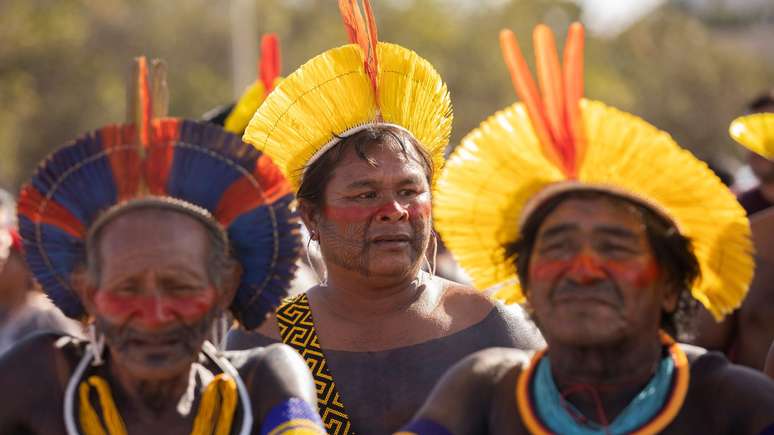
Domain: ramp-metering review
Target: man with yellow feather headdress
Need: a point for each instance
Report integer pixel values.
(360, 131)
(609, 230)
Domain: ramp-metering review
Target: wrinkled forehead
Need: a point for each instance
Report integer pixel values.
(164, 234)
(593, 213)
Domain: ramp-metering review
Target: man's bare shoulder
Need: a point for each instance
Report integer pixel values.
(716, 380)
(273, 374)
(35, 373)
(463, 398)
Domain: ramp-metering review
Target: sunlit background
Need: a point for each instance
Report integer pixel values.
(687, 66)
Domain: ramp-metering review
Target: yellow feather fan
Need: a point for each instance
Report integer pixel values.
(755, 132)
(495, 177)
(251, 99)
(333, 94)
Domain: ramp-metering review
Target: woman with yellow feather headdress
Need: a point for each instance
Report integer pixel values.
(607, 228)
(360, 131)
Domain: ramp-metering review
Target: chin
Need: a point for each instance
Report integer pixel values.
(579, 327)
(158, 367)
(393, 267)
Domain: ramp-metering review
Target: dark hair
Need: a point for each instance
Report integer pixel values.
(319, 173)
(672, 251)
(761, 102)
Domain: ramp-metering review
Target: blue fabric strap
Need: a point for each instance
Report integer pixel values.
(292, 417)
(549, 403)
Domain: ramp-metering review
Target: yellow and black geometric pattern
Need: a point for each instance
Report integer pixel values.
(296, 327)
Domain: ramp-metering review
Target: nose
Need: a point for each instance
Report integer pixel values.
(392, 211)
(157, 311)
(585, 269)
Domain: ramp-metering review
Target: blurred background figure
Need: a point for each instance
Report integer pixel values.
(761, 196)
(24, 309)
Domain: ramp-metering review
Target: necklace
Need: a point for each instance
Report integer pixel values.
(544, 411)
(227, 385)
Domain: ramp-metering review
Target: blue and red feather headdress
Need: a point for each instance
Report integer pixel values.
(161, 157)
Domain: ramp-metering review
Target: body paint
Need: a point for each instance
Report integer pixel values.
(586, 269)
(154, 310)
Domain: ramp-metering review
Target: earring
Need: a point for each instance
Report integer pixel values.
(321, 278)
(431, 267)
(96, 344)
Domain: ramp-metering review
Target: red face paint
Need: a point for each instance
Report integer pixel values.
(152, 311)
(585, 269)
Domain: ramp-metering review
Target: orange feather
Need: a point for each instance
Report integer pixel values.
(527, 92)
(144, 100)
(573, 91)
(549, 73)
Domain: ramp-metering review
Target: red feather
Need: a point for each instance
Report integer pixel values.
(270, 63)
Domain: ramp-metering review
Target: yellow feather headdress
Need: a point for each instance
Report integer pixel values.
(345, 89)
(755, 132)
(538, 147)
(268, 76)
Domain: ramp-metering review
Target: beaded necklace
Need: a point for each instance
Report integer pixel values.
(650, 412)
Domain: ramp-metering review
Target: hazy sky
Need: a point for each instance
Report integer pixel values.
(610, 17)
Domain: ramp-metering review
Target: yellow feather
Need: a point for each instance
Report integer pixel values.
(331, 94)
(755, 132)
(248, 103)
(482, 192)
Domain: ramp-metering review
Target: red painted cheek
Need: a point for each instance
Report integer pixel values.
(350, 214)
(635, 274)
(547, 270)
(152, 311)
(419, 210)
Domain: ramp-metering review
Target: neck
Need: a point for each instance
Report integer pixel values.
(150, 397)
(362, 298)
(609, 376)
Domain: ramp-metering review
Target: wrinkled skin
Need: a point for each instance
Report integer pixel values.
(154, 300)
(376, 221)
(593, 279)
(597, 297)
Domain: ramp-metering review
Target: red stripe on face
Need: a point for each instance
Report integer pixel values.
(585, 269)
(153, 311)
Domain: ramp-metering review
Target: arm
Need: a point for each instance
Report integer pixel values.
(769, 368)
(33, 374)
(460, 403)
(288, 399)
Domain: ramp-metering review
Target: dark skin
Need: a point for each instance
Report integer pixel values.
(601, 327)
(155, 303)
(15, 282)
(747, 334)
(762, 167)
(373, 230)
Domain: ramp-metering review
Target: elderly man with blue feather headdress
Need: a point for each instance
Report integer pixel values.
(150, 232)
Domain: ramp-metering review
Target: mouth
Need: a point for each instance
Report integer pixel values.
(586, 296)
(392, 240)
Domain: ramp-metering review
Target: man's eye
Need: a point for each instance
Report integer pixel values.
(615, 249)
(408, 192)
(365, 195)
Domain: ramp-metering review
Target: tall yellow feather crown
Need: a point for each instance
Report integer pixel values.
(540, 146)
(347, 88)
(268, 76)
(755, 132)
